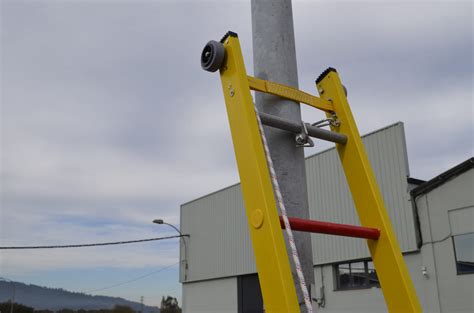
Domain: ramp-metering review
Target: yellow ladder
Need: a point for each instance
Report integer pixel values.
(273, 266)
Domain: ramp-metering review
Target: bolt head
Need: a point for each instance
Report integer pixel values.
(300, 139)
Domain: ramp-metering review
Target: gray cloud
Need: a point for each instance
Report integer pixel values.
(107, 115)
(400, 61)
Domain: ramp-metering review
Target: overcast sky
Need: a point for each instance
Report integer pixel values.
(108, 121)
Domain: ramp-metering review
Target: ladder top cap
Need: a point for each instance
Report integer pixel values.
(229, 34)
(323, 74)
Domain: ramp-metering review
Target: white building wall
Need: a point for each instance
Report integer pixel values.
(220, 295)
(447, 211)
(369, 300)
(211, 296)
(220, 246)
(219, 243)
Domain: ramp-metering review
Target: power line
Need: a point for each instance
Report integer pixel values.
(134, 279)
(88, 244)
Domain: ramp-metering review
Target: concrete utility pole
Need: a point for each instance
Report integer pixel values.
(274, 58)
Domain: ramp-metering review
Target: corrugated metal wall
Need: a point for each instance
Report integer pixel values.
(219, 242)
(330, 199)
(220, 246)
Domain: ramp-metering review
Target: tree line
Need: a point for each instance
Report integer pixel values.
(6, 307)
(168, 305)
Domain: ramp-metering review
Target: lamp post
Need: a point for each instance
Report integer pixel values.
(185, 258)
(14, 289)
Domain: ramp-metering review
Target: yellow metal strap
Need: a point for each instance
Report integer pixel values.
(289, 93)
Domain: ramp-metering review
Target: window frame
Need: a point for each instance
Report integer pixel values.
(337, 286)
(456, 256)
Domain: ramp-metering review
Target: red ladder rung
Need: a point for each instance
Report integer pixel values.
(311, 226)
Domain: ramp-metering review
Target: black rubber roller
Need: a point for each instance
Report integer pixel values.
(212, 56)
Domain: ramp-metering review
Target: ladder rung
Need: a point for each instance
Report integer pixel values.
(295, 127)
(311, 226)
(290, 93)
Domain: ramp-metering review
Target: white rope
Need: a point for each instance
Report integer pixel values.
(284, 214)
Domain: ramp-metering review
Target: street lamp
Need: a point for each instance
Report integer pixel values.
(14, 288)
(185, 259)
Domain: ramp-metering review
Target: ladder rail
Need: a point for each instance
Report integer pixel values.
(397, 287)
(273, 266)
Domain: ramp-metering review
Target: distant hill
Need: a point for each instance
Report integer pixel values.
(42, 298)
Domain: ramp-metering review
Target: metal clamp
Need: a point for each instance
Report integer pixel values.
(302, 139)
(332, 121)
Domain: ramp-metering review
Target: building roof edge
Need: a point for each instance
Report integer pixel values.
(442, 178)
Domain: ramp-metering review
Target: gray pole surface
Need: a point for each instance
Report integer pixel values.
(275, 59)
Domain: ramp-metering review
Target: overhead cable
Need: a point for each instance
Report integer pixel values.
(133, 279)
(88, 244)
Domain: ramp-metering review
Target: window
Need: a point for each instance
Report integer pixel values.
(356, 275)
(464, 253)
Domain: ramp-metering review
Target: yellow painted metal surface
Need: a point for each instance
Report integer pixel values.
(289, 93)
(397, 287)
(274, 271)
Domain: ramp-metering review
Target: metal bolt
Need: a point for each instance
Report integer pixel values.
(321, 91)
(300, 139)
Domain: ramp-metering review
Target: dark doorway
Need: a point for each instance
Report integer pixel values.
(249, 294)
